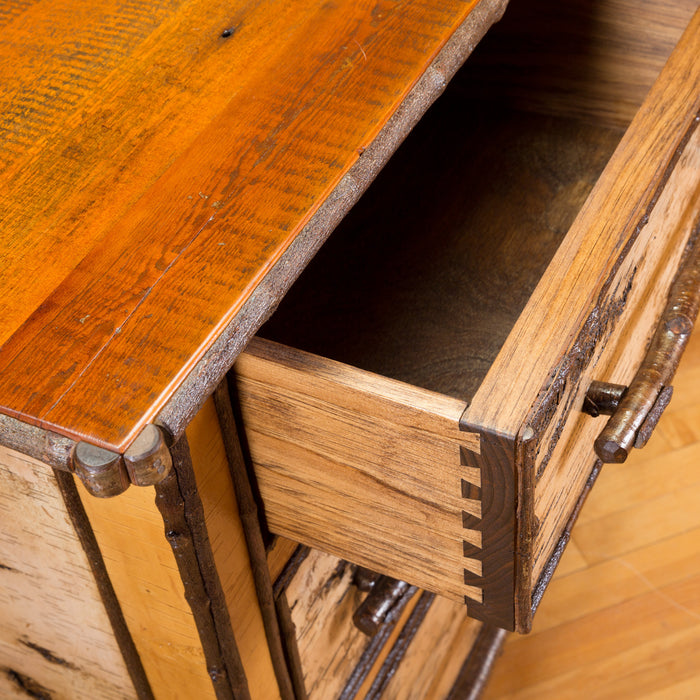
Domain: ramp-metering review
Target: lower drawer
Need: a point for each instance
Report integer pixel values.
(420, 411)
(418, 649)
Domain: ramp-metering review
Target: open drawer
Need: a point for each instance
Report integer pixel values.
(416, 404)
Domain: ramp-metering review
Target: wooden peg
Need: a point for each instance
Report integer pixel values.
(603, 398)
(148, 459)
(101, 471)
(365, 579)
(372, 612)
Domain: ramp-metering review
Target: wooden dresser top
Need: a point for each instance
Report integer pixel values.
(157, 160)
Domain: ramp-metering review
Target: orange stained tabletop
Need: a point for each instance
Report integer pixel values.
(156, 159)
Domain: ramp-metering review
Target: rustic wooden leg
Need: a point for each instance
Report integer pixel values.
(181, 509)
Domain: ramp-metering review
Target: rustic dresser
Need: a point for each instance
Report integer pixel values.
(241, 457)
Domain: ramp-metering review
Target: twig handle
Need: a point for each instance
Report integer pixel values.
(639, 407)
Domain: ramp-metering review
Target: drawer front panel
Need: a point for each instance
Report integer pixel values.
(638, 296)
(418, 651)
(593, 313)
(336, 658)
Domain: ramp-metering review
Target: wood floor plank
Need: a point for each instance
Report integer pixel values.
(611, 582)
(653, 479)
(653, 666)
(626, 530)
(593, 639)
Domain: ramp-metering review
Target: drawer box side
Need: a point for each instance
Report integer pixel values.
(345, 459)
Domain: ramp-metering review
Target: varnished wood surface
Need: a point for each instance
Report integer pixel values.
(158, 160)
(621, 620)
(56, 639)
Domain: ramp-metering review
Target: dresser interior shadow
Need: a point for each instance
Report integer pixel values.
(427, 275)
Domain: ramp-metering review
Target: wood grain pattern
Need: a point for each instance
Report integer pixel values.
(147, 582)
(318, 430)
(497, 526)
(214, 364)
(83, 529)
(418, 653)
(669, 226)
(56, 639)
(609, 274)
(606, 225)
(208, 174)
(645, 198)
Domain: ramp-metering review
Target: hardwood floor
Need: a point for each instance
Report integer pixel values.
(622, 617)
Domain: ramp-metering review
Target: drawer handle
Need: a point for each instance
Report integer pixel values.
(380, 601)
(635, 410)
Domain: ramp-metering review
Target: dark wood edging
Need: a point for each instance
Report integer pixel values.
(83, 529)
(183, 518)
(391, 664)
(497, 527)
(375, 646)
(48, 447)
(284, 617)
(291, 649)
(290, 569)
(475, 672)
(553, 561)
(250, 519)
